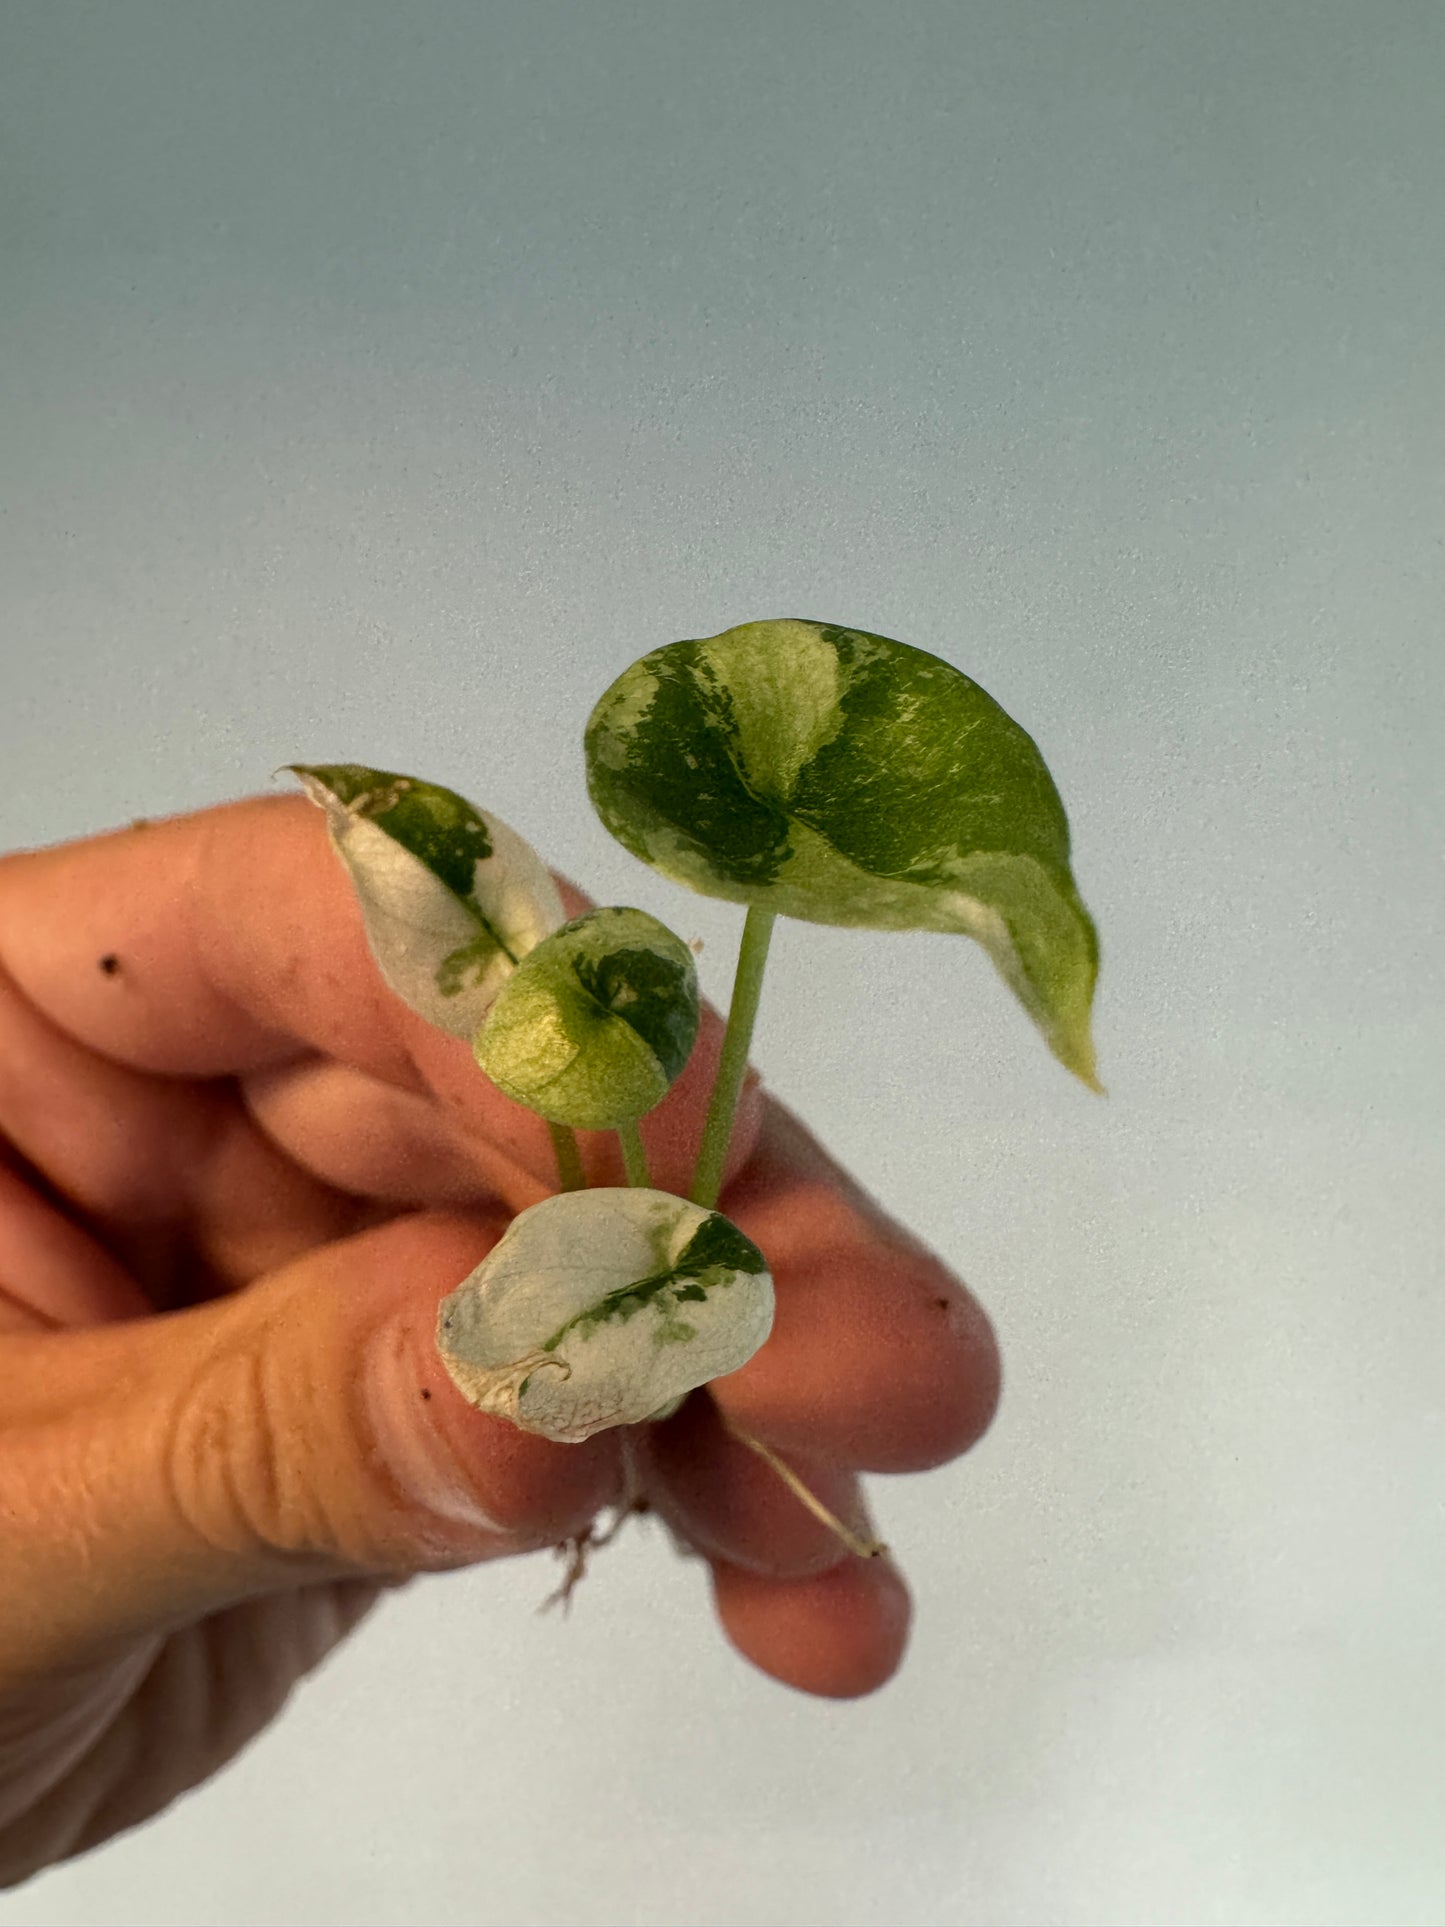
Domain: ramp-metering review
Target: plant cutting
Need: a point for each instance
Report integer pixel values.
(803, 770)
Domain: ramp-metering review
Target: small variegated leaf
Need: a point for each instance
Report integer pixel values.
(837, 776)
(602, 1308)
(451, 897)
(595, 1023)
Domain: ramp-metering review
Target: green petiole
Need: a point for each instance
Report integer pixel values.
(733, 1063)
(569, 1158)
(634, 1157)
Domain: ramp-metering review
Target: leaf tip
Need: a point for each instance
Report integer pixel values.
(1080, 1060)
(308, 775)
(1073, 1045)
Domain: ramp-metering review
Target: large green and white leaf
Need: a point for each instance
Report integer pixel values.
(838, 776)
(595, 1023)
(602, 1308)
(452, 898)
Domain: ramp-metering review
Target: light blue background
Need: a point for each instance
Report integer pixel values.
(375, 383)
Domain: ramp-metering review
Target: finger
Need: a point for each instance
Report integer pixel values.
(369, 1138)
(837, 1634)
(186, 1193)
(879, 1359)
(51, 1272)
(201, 945)
(724, 1499)
(160, 1469)
(372, 1139)
(229, 942)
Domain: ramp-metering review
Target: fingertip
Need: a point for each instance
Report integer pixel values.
(978, 1388)
(532, 1490)
(876, 1360)
(839, 1634)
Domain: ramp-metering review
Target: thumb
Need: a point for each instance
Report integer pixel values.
(155, 1470)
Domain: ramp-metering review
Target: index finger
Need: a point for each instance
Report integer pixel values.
(204, 945)
(229, 943)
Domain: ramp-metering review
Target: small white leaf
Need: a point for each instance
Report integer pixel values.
(451, 897)
(602, 1308)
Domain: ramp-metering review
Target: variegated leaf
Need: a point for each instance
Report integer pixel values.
(837, 776)
(602, 1308)
(596, 1022)
(451, 897)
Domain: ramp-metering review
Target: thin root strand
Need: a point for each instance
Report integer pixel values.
(864, 1548)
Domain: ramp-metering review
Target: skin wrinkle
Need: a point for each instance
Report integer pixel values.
(48, 1499)
(222, 1466)
(247, 1429)
(68, 1722)
(115, 1759)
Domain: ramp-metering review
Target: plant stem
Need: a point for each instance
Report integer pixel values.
(569, 1158)
(634, 1158)
(747, 988)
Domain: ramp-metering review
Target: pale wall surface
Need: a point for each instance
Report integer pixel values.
(375, 384)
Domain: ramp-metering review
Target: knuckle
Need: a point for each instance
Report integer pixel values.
(263, 1458)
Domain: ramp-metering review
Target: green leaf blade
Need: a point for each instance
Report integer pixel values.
(924, 765)
(837, 776)
(596, 1022)
(681, 737)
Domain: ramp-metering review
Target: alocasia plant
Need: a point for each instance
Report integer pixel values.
(803, 769)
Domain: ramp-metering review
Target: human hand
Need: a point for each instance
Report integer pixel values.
(236, 1177)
